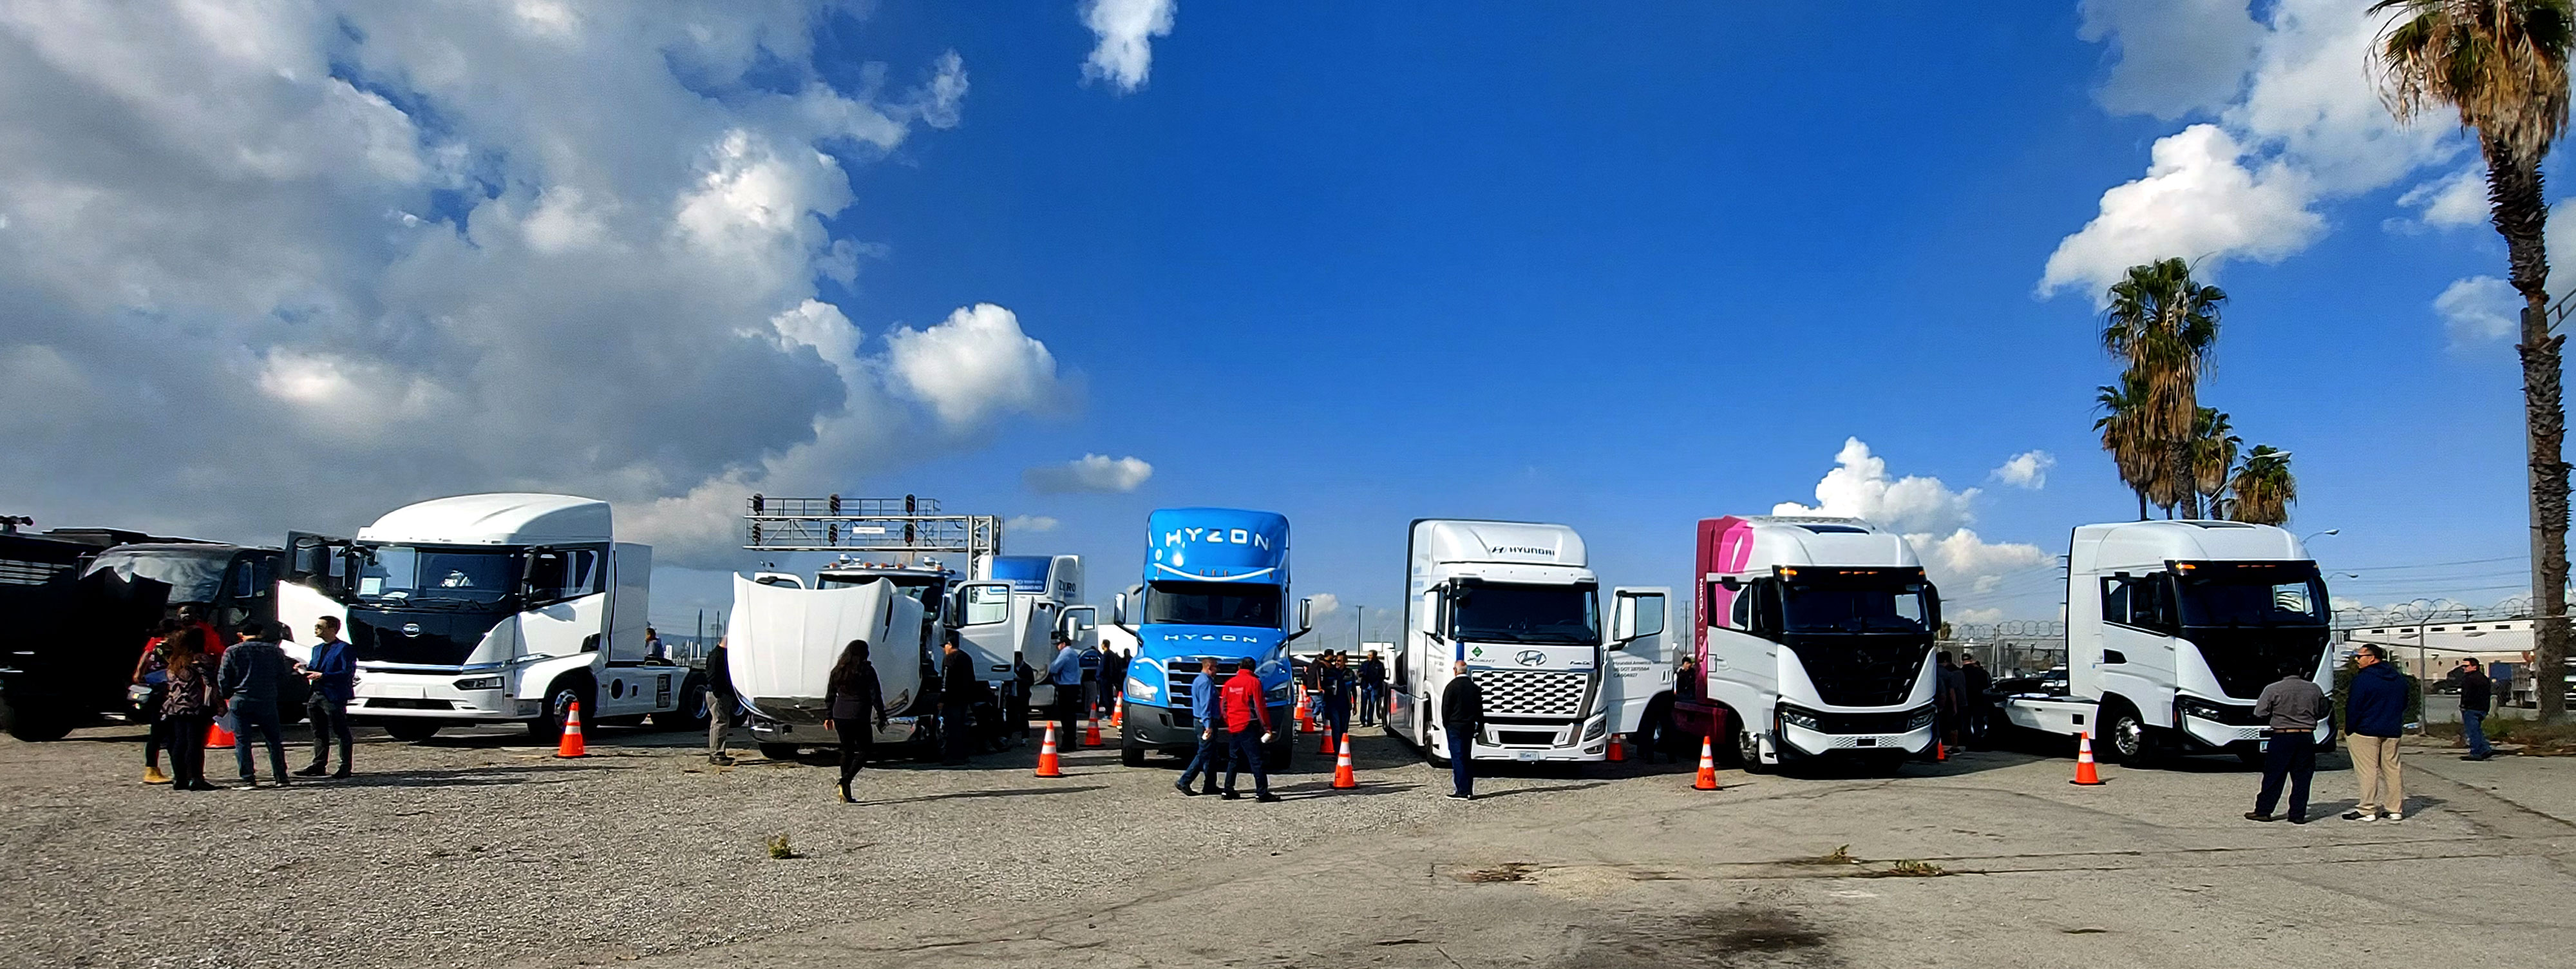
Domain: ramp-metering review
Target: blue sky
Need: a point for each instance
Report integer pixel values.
(1358, 263)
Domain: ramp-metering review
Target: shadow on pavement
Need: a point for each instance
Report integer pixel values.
(458, 777)
(999, 792)
(1552, 788)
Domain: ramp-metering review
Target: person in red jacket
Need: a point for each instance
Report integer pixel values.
(1247, 725)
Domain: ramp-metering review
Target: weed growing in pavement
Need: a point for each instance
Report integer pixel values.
(778, 847)
(1838, 856)
(1916, 869)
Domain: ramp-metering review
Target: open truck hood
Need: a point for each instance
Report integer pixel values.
(781, 643)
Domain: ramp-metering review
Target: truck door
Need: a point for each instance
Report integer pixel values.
(314, 581)
(984, 628)
(1639, 657)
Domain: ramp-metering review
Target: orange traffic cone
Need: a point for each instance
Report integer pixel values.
(1342, 779)
(1305, 714)
(1047, 765)
(217, 736)
(1618, 751)
(1118, 716)
(1091, 732)
(1707, 766)
(1940, 751)
(1328, 745)
(570, 745)
(2085, 773)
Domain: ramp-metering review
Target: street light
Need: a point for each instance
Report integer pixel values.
(2330, 531)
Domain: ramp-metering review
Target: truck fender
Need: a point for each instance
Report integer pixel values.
(537, 677)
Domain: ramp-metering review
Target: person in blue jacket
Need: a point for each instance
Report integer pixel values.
(1212, 742)
(2373, 718)
(333, 672)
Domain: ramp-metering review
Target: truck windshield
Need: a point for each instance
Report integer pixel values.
(1858, 601)
(1499, 613)
(2222, 594)
(1213, 604)
(406, 575)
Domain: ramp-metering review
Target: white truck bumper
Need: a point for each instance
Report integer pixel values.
(437, 696)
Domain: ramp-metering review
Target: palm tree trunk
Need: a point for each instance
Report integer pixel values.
(2142, 503)
(2513, 192)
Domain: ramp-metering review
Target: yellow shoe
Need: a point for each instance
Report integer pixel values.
(153, 775)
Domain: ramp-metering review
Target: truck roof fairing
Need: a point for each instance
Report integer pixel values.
(509, 518)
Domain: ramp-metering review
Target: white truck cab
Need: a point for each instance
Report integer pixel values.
(492, 608)
(1519, 604)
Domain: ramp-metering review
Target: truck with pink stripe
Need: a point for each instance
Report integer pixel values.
(1812, 639)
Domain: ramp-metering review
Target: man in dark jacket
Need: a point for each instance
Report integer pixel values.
(2291, 705)
(957, 688)
(248, 682)
(1372, 688)
(1462, 717)
(1113, 681)
(333, 672)
(1247, 725)
(1333, 689)
(2373, 717)
(1973, 698)
(2476, 693)
(720, 703)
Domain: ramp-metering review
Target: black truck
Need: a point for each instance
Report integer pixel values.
(81, 602)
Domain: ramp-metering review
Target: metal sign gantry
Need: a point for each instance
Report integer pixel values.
(908, 527)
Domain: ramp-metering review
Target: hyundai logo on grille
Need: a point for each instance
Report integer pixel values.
(1530, 657)
(411, 629)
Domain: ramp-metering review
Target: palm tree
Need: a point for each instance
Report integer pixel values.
(2164, 323)
(2263, 488)
(2213, 455)
(2502, 65)
(2123, 428)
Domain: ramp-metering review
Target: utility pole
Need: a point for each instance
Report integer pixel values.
(1359, 626)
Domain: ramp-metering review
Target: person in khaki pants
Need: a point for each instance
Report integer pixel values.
(2374, 716)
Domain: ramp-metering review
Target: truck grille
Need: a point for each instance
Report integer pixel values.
(1540, 693)
(1862, 670)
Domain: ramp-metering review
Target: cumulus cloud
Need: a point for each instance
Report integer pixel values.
(2174, 56)
(1029, 524)
(1930, 516)
(289, 266)
(2451, 201)
(1125, 28)
(1989, 614)
(2306, 127)
(2028, 469)
(1326, 604)
(1088, 473)
(2479, 309)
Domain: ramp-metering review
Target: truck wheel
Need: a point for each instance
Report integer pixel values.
(778, 751)
(33, 721)
(1748, 749)
(2125, 738)
(411, 731)
(548, 728)
(692, 711)
(1131, 752)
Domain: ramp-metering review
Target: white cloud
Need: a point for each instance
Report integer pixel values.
(1029, 524)
(2028, 469)
(1326, 604)
(2479, 309)
(290, 265)
(974, 365)
(1989, 614)
(2307, 127)
(2453, 200)
(1090, 472)
(1930, 516)
(2175, 56)
(1126, 28)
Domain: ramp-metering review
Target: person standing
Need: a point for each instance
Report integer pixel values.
(2293, 703)
(653, 645)
(152, 672)
(1334, 687)
(1065, 671)
(1113, 681)
(721, 703)
(1372, 689)
(1975, 683)
(1950, 689)
(333, 674)
(2374, 716)
(1204, 708)
(854, 708)
(188, 703)
(1462, 717)
(957, 687)
(248, 679)
(1247, 724)
(1091, 692)
(2476, 693)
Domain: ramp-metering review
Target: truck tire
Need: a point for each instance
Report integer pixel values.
(1131, 752)
(1748, 750)
(548, 727)
(33, 721)
(2126, 738)
(778, 751)
(692, 711)
(411, 731)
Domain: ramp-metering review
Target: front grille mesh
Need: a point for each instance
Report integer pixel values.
(1531, 693)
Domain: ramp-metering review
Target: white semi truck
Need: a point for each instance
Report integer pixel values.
(1813, 640)
(491, 608)
(2173, 628)
(1519, 604)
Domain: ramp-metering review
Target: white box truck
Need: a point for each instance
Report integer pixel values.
(1519, 604)
(492, 608)
(1813, 640)
(2173, 628)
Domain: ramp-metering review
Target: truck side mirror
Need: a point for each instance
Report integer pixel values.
(1426, 620)
(1305, 614)
(1118, 609)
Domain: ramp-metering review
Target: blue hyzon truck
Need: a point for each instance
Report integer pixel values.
(1216, 584)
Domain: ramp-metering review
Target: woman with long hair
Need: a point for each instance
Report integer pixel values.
(854, 707)
(188, 707)
(152, 672)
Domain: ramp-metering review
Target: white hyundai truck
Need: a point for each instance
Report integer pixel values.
(492, 608)
(1519, 604)
(2173, 628)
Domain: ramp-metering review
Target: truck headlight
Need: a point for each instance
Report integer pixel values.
(2197, 707)
(472, 683)
(1922, 718)
(1141, 690)
(1800, 718)
(1278, 694)
(1600, 725)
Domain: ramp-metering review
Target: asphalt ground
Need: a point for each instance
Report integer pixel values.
(478, 849)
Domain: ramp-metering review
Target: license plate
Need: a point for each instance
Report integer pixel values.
(1865, 742)
(1528, 755)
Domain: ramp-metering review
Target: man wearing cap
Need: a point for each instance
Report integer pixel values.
(1065, 671)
